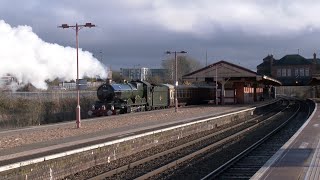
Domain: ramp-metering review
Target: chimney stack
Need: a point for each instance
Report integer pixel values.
(314, 58)
(271, 59)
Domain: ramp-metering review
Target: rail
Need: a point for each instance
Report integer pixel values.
(188, 156)
(244, 153)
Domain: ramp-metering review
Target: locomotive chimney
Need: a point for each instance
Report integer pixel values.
(108, 81)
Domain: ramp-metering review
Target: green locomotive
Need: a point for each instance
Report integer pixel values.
(129, 97)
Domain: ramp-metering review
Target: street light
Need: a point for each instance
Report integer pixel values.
(216, 85)
(77, 28)
(176, 74)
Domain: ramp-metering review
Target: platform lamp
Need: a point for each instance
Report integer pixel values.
(77, 27)
(176, 76)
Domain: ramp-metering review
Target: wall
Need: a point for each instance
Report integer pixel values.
(56, 167)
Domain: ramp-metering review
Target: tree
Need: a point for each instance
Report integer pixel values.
(116, 77)
(54, 82)
(27, 88)
(185, 65)
(155, 80)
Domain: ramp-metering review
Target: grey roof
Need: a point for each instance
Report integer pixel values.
(317, 60)
(293, 59)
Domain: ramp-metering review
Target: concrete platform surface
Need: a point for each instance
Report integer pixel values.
(299, 158)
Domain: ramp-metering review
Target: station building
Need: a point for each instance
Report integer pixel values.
(292, 69)
(234, 84)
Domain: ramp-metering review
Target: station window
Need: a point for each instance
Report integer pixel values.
(296, 72)
(284, 72)
(307, 73)
(278, 72)
(301, 71)
(288, 72)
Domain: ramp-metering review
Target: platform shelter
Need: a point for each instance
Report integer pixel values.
(234, 84)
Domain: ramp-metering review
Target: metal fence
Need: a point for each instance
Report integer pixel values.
(297, 91)
(48, 95)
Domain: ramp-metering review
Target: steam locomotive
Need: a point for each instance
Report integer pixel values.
(138, 96)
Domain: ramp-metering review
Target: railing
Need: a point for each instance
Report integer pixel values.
(48, 95)
(297, 91)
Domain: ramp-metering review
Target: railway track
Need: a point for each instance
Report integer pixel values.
(249, 161)
(157, 163)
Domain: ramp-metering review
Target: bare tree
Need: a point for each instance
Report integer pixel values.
(155, 80)
(116, 77)
(185, 65)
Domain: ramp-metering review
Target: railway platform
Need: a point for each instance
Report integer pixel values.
(64, 139)
(299, 158)
(92, 136)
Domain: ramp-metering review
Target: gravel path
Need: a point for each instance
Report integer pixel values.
(37, 134)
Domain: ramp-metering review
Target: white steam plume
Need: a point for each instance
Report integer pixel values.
(31, 60)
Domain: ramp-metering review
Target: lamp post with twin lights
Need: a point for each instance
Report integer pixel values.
(77, 27)
(176, 76)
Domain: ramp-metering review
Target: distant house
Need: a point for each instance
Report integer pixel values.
(7, 81)
(66, 85)
(291, 70)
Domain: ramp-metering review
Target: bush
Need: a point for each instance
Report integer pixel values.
(20, 112)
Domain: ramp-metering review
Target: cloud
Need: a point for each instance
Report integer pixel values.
(276, 17)
(259, 17)
(138, 32)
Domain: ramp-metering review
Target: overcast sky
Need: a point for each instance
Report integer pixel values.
(138, 32)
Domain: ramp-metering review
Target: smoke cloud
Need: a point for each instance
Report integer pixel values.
(31, 60)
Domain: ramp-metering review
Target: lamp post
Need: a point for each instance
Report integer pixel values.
(176, 75)
(216, 85)
(77, 27)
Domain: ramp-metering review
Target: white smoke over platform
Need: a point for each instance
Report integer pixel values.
(31, 60)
